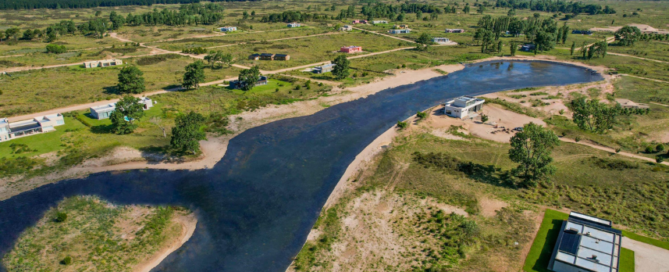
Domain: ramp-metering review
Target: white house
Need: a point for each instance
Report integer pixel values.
(346, 28)
(379, 22)
(41, 124)
(399, 31)
(463, 106)
(228, 29)
(294, 24)
(441, 40)
(102, 63)
(104, 111)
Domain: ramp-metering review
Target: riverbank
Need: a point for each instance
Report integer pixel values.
(215, 147)
(187, 222)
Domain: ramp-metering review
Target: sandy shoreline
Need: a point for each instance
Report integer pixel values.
(188, 222)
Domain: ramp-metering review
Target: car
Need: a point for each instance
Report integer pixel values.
(518, 129)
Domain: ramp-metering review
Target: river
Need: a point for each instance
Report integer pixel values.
(256, 206)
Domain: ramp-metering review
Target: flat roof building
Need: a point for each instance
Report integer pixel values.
(281, 57)
(294, 24)
(441, 40)
(350, 49)
(399, 31)
(102, 63)
(323, 69)
(104, 111)
(346, 28)
(586, 243)
(236, 84)
(228, 29)
(455, 30)
(463, 106)
(37, 125)
(378, 22)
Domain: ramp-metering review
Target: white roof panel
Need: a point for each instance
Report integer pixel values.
(592, 243)
(599, 234)
(572, 225)
(590, 218)
(592, 265)
(601, 257)
(565, 257)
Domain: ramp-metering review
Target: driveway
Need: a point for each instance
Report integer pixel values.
(648, 258)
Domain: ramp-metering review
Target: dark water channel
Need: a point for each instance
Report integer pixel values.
(257, 205)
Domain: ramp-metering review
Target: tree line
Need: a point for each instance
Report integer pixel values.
(555, 6)
(58, 4)
(292, 16)
(544, 33)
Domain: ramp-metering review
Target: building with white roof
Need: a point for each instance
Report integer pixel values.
(228, 29)
(102, 63)
(41, 124)
(463, 106)
(586, 243)
(104, 111)
(294, 24)
(346, 28)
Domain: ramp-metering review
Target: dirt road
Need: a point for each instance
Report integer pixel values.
(647, 258)
(386, 35)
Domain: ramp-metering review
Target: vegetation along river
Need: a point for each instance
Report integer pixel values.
(256, 206)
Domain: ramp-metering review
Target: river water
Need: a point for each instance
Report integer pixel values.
(256, 206)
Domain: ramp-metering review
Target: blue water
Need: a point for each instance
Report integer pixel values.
(257, 205)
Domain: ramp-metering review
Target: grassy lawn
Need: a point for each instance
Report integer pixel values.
(71, 42)
(96, 235)
(626, 260)
(542, 247)
(38, 90)
(37, 57)
(42, 143)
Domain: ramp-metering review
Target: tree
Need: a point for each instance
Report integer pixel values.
(573, 47)
(593, 115)
(340, 70)
(187, 133)
(424, 38)
(627, 35)
(130, 80)
(249, 77)
(499, 47)
(120, 126)
(544, 41)
(466, 9)
(55, 49)
(481, 9)
(511, 13)
(531, 149)
(484, 118)
(28, 35)
(130, 107)
(245, 15)
(194, 75)
(512, 48)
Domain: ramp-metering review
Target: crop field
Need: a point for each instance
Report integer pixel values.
(38, 90)
(309, 50)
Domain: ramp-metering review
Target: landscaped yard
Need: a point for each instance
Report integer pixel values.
(544, 242)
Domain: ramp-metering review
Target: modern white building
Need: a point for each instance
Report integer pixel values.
(228, 29)
(379, 22)
(441, 40)
(104, 111)
(586, 243)
(463, 106)
(399, 31)
(346, 28)
(102, 63)
(37, 125)
(294, 24)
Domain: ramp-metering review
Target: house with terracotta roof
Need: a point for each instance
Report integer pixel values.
(350, 49)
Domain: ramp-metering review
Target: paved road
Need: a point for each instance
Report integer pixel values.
(647, 258)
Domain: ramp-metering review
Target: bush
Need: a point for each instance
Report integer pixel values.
(61, 217)
(659, 159)
(421, 115)
(402, 125)
(659, 148)
(55, 49)
(66, 261)
(577, 139)
(649, 149)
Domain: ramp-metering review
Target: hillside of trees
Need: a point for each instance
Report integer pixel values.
(56, 4)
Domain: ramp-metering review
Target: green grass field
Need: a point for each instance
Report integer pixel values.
(542, 247)
(626, 260)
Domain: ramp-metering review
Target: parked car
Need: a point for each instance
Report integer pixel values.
(518, 129)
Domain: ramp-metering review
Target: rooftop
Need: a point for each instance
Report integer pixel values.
(588, 242)
(107, 107)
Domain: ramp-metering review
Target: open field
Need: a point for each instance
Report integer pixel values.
(38, 90)
(71, 42)
(95, 235)
(651, 50)
(309, 50)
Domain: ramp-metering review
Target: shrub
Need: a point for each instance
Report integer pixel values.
(55, 49)
(66, 261)
(61, 217)
(577, 139)
(561, 112)
(421, 115)
(649, 149)
(659, 148)
(402, 125)
(659, 159)
(618, 150)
